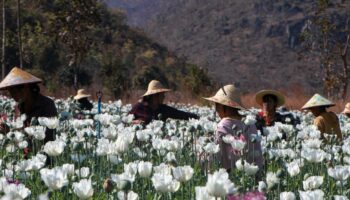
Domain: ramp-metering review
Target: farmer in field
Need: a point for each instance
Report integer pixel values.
(269, 100)
(24, 89)
(326, 122)
(346, 110)
(151, 106)
(231, 131)
(82, 100)
(82, 104)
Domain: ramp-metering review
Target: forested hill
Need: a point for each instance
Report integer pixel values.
(82, 43)
(255, 43)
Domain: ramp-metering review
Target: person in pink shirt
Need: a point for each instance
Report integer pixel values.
(233, 135)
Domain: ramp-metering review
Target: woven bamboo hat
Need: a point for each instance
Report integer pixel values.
(155, 87)
(81, 94)
(317, 101)
(260, 95)
(228, 95)
(347, 109)
(18, 77)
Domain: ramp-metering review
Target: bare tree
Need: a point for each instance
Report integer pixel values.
(327, 38)
(345, 67)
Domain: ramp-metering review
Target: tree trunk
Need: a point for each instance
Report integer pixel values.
(19, 33)
(345, 68)
(75, 80)
(75, 71)
(3, 39)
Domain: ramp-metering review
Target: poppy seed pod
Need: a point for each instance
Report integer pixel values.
(108, 185)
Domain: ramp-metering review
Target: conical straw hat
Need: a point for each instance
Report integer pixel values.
(346, 109)
(81, 94)
(228, 95)
(18, 77)
(317, 101)
(260, 95)
(155, 87)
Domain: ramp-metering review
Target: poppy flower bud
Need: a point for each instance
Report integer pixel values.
(108, 185)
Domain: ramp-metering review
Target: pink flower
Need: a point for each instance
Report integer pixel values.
(16, 182)
(248, 196)
(3, 117)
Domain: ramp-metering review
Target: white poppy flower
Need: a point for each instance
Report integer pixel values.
(38, 132)
(287, 196)
(340, 173)
(272, 179)
(83, 189)
(54, 178)
(219, 185)
(339, 197)
(145, 169)
(313, 182)
(249, 169)
(311, 195)
(202, 194)
(127, 196)
(165, 183)
(183, 174)
(211, 148)
(54, 148)
(51, 123)
(14, 191)
(84, 172)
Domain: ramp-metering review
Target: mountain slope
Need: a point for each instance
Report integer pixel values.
(93, 47)
(250, 42)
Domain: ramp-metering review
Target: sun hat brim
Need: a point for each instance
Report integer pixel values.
(260, 95)
(227, 102)
(5, 87)
(151, 92)
(17, 77)
(317, 100)
(80, 96)
(319, 105)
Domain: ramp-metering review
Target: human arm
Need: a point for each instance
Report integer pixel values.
(170, 112)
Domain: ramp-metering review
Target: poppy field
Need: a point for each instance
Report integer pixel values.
(106, 156)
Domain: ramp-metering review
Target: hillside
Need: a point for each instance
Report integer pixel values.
(255, 44)
(73, 44)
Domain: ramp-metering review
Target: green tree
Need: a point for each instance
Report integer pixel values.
(75, 21)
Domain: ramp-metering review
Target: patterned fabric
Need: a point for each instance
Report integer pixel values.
(142, 111)
(229, 156)
(262, 121)
(328, 123)
(3, 127)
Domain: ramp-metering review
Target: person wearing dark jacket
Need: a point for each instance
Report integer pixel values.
(82, 99)
(269, 100)
(24, 89)
(151, 106)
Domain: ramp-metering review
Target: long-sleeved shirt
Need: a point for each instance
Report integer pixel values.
(328, 123)
(142, 111)
(240, 131)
